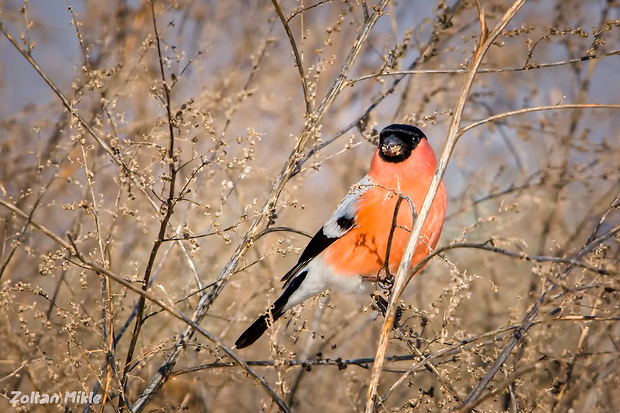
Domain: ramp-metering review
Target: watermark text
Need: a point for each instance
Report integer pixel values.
(74, 397)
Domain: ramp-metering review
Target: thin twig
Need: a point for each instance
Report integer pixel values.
(536, 109)
(298, 61)
(524, 256)
(525, 325)
(114, 155)
(363, 362)
(485, 70)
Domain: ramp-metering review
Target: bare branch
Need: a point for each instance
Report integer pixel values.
(84, 263)
(298, 60)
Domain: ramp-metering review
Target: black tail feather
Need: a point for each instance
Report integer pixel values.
(258, 327)
(253, 332)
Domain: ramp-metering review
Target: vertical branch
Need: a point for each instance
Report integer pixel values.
(298, 60)
(167, 207)
(403, 276)
(107, 310)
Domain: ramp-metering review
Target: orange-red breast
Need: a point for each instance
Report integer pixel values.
(348, 253)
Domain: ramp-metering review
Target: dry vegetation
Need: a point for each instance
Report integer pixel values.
(161, 163)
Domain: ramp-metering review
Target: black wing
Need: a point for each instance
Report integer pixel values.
(341, 222)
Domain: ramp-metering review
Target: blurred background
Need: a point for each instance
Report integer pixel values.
(544, 183)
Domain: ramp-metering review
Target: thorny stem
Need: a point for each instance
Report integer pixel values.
(453, 349)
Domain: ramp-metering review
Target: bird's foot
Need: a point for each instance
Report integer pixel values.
(381, 304)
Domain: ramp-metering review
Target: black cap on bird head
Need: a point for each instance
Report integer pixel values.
(396, 142)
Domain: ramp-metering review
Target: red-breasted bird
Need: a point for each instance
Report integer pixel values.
(348, 254)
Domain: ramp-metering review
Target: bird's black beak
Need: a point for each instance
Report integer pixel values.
(392, 146)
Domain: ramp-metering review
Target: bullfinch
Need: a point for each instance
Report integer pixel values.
(365, 238)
